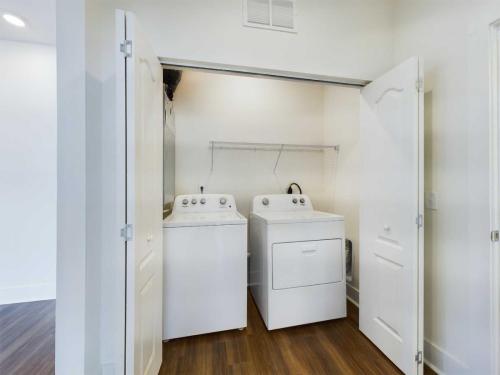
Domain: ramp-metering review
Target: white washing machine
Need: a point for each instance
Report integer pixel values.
(297, 261)
(205, 266)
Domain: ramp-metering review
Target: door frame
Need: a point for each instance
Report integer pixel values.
(120, 123)
(495, 191)
(193, 65)
(121, 146)
(421, 214)
(71, 280)
(241, 70)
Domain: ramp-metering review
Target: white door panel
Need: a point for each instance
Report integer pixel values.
(390, 203)
(142, 88)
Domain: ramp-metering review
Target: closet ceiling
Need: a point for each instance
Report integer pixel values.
(39, 15)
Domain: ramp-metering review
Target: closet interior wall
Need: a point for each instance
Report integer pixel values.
(222, 107)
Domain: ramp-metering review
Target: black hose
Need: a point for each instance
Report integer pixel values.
(290, 190)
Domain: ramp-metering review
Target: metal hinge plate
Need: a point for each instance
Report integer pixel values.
(420, 221)
(127, 232)
(419, 357)
(495, 236)
(126, 48)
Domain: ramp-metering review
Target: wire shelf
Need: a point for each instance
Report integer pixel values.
(276, 147)
(224, 145)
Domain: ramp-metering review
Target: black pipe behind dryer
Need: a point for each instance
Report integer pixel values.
(290, 188)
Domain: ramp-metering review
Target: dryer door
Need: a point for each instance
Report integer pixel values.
(299, 264)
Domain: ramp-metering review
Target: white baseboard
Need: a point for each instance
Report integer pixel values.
(27, 293)
(352, 294)
(433, 368)
(441, 361)
(353, 302)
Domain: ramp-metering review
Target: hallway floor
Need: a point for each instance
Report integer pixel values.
(27, 343)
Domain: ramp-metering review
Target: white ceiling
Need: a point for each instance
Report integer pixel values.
(40, 18)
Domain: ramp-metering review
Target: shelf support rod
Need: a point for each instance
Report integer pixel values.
(212, 167)
(278, 159)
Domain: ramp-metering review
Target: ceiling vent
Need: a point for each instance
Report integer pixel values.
(270, 14)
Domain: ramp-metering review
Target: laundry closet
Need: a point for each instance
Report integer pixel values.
(249, 137)
(239, 140)
(229, 130)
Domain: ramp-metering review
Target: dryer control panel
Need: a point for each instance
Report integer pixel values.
(282, 202)
(194, 203)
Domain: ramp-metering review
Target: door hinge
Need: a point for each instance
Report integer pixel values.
(420, 221)
(126, 48)
(419, 85)
(127, 232)
(495, 236)
(419, 357)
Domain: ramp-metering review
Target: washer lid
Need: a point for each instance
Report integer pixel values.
(287, 217)
(204, 219)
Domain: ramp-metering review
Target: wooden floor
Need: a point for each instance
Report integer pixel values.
(334, 347)
(27, 338)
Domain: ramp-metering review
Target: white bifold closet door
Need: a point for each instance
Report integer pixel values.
(139, 104)
(391, 221)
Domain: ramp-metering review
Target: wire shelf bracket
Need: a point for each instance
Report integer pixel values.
(279, 147)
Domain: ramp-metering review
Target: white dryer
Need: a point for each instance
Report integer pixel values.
(205, 266)
(297, 261)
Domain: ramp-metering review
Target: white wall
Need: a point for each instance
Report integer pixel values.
(233, 108)
(346, 38)
(28, 176)
(243, 109)
(452, 37)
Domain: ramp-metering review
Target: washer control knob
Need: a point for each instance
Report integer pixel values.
(203, 201)
(223, 201)
(294, 200)
(194, 201)
(302, 200)
(185, 201)
(265, 202)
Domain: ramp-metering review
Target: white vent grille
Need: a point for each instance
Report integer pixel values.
(282, 11)
(270, 14)
(258, 12)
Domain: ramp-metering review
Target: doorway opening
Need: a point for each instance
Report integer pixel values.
(240, 113)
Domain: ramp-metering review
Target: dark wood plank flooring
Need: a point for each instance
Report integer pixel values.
(27, 338)
(333, 347)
